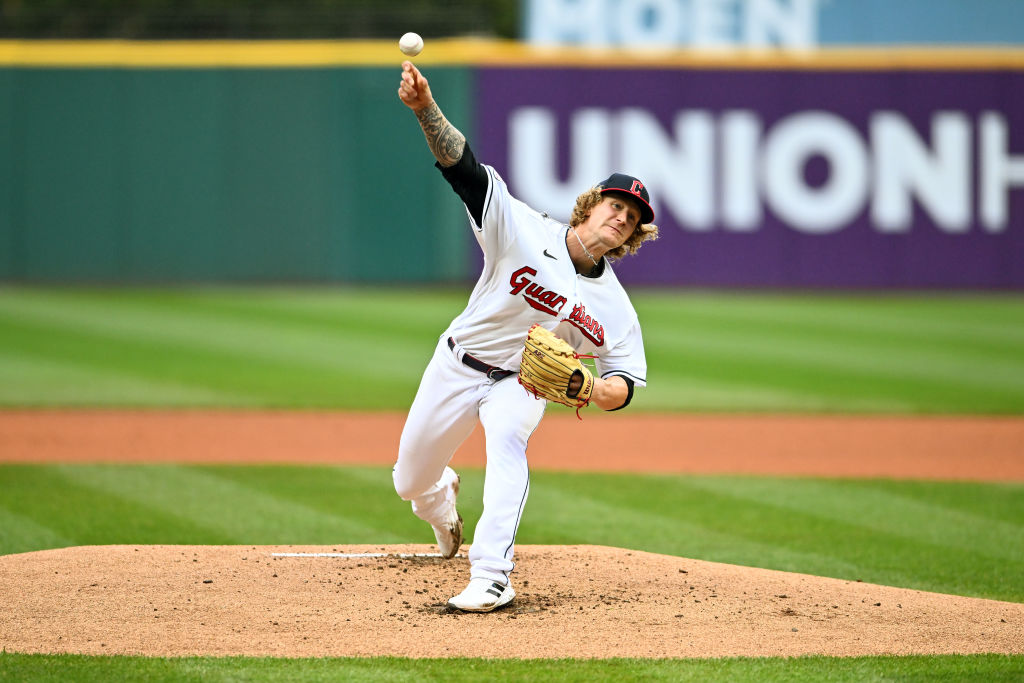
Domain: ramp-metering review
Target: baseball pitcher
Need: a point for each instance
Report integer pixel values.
(547, 296)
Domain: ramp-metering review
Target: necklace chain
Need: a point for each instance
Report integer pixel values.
(585, 250)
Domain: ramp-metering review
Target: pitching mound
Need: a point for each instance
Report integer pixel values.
(576, 601)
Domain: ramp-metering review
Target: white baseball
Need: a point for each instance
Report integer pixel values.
(411, 44)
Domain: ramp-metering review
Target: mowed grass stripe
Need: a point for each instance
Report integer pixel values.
(350, 348)
(397, 316)
(245, 337)
(913, 538)
(696, 524)
(364, 493)
(680, 391)
(404, 314)
(777, 525)
(396, 309)
(757, 345)
(921, 357)
(769, 523)
(235, 512)
(241, 380)
(159, 363)
(883, 512)
(85, 669)
(996, 501)
(668, 530)
(44, 379)
(865, 373)
(23, 534)
(914, 355)
(53, 498)
(737, 376)
(993, 321)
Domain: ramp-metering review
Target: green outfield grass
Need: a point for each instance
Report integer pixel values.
(962, 538)
(949, 537)
(355, 348)
(366, 348)
(987, 668)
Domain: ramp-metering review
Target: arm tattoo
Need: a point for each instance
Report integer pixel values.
(444, 139)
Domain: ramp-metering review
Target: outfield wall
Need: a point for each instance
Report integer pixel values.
(222, 174)
(243, 162)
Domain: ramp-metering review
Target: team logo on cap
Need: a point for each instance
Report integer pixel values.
(627, 184)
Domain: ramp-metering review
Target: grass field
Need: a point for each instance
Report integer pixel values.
(706, 352)
(949, 537)
(309, 348)
(993, 668)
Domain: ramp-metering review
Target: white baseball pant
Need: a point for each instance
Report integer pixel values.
(450, 399)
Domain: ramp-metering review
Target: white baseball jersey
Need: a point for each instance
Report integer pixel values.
(529, 278)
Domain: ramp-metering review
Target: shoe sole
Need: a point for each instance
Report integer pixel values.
(457, 531)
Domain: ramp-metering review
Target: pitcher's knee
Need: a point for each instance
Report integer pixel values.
(404, 490)
(409, 487)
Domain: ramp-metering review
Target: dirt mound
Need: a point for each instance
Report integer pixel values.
(574, 601)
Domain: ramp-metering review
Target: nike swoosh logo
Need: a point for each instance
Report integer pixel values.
(549, 255)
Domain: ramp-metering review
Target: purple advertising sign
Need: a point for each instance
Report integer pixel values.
(785, 178)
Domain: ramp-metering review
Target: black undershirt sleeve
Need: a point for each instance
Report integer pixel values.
(469, 180)
(629, 396)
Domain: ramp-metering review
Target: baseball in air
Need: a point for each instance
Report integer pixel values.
(411, 44)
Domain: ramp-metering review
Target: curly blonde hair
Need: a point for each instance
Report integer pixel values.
(643, 233)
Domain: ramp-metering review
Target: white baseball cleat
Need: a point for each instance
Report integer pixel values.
(483, 595)
(449, 533)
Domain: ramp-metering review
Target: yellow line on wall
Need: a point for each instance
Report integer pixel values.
(314, 54)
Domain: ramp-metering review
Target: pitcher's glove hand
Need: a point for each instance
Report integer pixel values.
(551, 369)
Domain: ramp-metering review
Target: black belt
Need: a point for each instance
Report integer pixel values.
(480, 366)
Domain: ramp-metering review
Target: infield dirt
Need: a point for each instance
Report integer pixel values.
(573, 601)
(970, 448)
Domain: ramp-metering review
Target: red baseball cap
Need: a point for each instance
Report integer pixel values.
(627, 184)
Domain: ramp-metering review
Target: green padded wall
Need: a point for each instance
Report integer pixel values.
(224, 174)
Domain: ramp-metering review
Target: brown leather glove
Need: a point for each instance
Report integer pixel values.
(551, 369)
